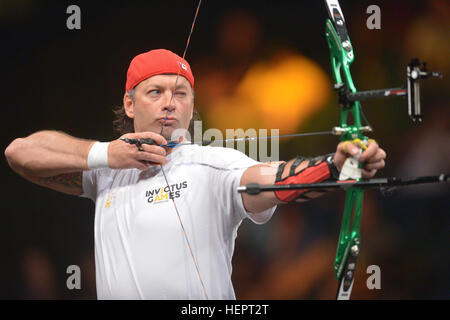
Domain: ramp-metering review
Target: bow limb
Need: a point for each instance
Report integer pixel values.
(341, 55)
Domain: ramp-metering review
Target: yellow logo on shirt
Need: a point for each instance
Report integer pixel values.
(109, 200)
(166, 193)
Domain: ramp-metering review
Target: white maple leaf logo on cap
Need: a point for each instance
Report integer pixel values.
(183, 66)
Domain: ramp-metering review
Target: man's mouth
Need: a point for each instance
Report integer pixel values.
(167, 121)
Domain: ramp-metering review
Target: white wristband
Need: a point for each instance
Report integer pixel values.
(98, 155)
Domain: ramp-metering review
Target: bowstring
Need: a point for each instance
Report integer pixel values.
(162, 169)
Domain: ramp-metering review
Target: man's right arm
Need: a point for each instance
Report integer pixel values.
(51, 159)
(56, 160)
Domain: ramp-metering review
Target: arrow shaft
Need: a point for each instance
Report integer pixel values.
(254, 188)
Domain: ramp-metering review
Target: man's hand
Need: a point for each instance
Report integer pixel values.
(373, 157)
(122, 155)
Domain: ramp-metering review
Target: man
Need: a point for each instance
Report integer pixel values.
(167, 231)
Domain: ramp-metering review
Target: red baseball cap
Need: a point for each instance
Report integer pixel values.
(155, 62)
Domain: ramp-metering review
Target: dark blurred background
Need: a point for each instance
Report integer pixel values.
(258, 64)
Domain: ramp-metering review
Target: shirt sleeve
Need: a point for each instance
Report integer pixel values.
(236, 163)
(258, 218)
(89, 185)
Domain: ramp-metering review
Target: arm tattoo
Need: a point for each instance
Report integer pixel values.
(66, 182)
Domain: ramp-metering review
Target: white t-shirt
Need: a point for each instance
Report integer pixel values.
(140, 249)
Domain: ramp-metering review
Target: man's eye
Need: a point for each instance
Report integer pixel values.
(180, 93)
(154, 91)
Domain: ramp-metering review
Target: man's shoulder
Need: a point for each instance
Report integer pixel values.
(108, 173)
(216, 151)
(215, 155)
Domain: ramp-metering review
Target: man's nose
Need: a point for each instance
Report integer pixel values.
(169, 101)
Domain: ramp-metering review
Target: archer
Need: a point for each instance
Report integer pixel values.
(137, 243)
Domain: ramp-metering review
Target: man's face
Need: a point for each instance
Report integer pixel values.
(153, 100)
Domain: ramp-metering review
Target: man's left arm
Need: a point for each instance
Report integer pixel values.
(307, 170)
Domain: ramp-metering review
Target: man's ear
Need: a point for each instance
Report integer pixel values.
(128, 105)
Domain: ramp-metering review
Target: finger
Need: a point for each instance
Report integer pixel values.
(348, 148)
(159, 139)
(140, 165)
(374, 165)
(150, 157)
(380, 155)
(377, 158)
(367, 174)
(370, 152)
(154, 149)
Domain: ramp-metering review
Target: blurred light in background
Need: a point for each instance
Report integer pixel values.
(279, 93)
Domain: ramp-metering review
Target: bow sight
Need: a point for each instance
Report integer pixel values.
(415, 71)
(414, 74)
(341, 52)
